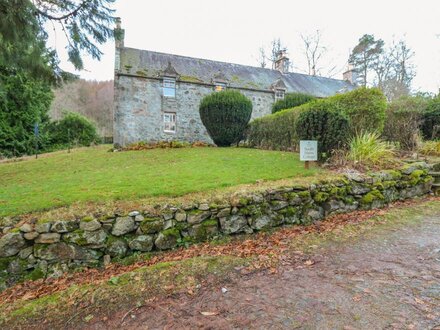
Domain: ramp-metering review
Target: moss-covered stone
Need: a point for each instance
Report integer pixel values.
(338, 192)
(371, 197)
(81, 237)
(244, 201)
(304, 194)
(320, 197)
(4, 263)
(116, 247)
(167, 239)
(17, 266)
(291, 214)
(197, 216)
(393, 174)
(152, 225)
(416, 177)
(201, 232)
(35, 274)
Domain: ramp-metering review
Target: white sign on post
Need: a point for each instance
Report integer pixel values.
(308, 150)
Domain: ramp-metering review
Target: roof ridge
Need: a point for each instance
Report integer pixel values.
(230, 63)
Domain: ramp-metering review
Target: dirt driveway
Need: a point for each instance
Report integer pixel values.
(384, 281)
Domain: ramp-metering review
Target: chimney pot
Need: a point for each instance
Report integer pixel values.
(119, 34)
(282, 62)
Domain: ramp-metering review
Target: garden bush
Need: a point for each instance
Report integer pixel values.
(431, 120)
(329, 128)
(367, 149)
(364, 107)
(291, 100)
(73, 129)
(225, 115)
(403, 121)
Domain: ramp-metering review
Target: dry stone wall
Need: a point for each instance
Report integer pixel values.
(48, 249)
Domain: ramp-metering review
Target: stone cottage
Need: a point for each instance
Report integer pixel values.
(157, 95)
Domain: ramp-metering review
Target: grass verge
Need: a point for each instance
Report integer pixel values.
(94, 175)
(80, 303)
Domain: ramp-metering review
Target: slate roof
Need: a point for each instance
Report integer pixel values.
(153, 64)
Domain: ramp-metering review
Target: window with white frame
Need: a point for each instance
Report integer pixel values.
(279, 94)
(220, 87)
(169, 121)
(169, 87)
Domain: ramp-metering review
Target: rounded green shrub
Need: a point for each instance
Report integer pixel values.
(431, 120)
(365, 109)
(291, 100)
(329, 128)
(225, 115)
(73, 129)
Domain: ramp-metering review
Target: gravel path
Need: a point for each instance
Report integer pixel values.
(389, 281)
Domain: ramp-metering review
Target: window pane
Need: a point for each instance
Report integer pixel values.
(220, 87)
(169, 92)
(169, 119)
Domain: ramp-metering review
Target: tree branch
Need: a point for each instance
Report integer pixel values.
(60, 18)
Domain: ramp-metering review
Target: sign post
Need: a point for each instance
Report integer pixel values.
(308, 152)
(36, 135)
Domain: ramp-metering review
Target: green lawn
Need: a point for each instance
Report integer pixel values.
(94, 174)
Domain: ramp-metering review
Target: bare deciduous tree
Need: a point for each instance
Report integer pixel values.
(313, 50)
(276, 46)
(394, 70)
(262, 57)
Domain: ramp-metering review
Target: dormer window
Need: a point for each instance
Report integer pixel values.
(169, 87)
(279, 94)
(220, 86)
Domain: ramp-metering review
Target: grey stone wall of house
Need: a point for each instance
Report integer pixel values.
(140, 105)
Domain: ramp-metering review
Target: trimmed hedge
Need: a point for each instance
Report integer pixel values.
(364, 108)
(431, 120)
(225, 115)
(328, 127)
(291, 100)
(276, 131)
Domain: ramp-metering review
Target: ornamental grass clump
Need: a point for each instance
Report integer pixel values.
(430, 148)
(367, 149)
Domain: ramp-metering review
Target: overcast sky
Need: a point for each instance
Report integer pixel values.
(234, 30)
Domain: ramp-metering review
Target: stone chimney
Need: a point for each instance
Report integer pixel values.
(119, 34)
(282, 62)
(350, 74)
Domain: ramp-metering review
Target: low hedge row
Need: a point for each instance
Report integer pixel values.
(364, 108)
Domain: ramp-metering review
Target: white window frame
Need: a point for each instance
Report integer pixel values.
(169, 87)
(169, 122)
(220, 87)
(279, 94)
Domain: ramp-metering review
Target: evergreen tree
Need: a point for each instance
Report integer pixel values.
(28, 68)
(85, 23)
(365, 54)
